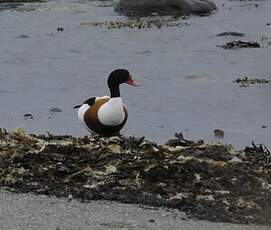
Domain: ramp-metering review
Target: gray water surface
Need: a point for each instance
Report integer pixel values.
(186, 79)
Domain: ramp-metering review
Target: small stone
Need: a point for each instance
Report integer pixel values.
(55, 110)
(28, 116)
(70, 197)
(60, 29)
(205, 197)
(264, 126)
(197, 177)
(23, 36)
(219, 133)
(240, 44)
(179, 196)
(231, 33)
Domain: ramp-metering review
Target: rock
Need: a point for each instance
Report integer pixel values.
(55, 110)
(180, 141)
(230, 33)
(245, 81)
(70, 197)
(28, 116)
(219, 133)
(23, 36)
(12, 4)
(240, 44)
(60, 29)
(165, 7)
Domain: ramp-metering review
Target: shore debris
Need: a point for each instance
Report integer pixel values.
(208, 181)
(245, 82)
(219, 133)
(180, 141)
(140, 23)
(240, 44)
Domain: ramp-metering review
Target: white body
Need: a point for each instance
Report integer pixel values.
(112, 113)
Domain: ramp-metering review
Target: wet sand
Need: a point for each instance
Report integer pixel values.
(29, 212)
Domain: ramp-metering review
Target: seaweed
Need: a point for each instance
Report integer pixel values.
(208, 181)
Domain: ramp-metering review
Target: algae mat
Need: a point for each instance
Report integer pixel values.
(208, 181)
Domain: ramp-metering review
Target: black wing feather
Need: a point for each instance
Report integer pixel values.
(89, 101)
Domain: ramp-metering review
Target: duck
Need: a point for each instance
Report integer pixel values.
(107, 115)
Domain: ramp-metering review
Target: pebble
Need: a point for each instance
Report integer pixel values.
(60, 29)
(70, 197)
(240, 44)
(55, 110)
(28, 116)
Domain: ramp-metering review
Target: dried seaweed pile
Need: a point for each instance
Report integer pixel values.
(245, 82)
(140, 23)
(240, 44)
(212, 182)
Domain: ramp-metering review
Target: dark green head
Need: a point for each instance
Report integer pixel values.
(118, 77)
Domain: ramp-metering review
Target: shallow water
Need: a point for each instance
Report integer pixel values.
(186, 79)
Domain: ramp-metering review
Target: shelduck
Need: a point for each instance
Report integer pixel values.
(107, 115)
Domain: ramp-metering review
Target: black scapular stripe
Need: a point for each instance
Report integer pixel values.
(89, 101)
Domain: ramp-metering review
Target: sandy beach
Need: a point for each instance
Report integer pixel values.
(29, 212)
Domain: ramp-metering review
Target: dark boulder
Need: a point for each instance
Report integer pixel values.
(165, 7)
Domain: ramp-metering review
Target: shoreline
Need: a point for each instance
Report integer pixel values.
(211, 182)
